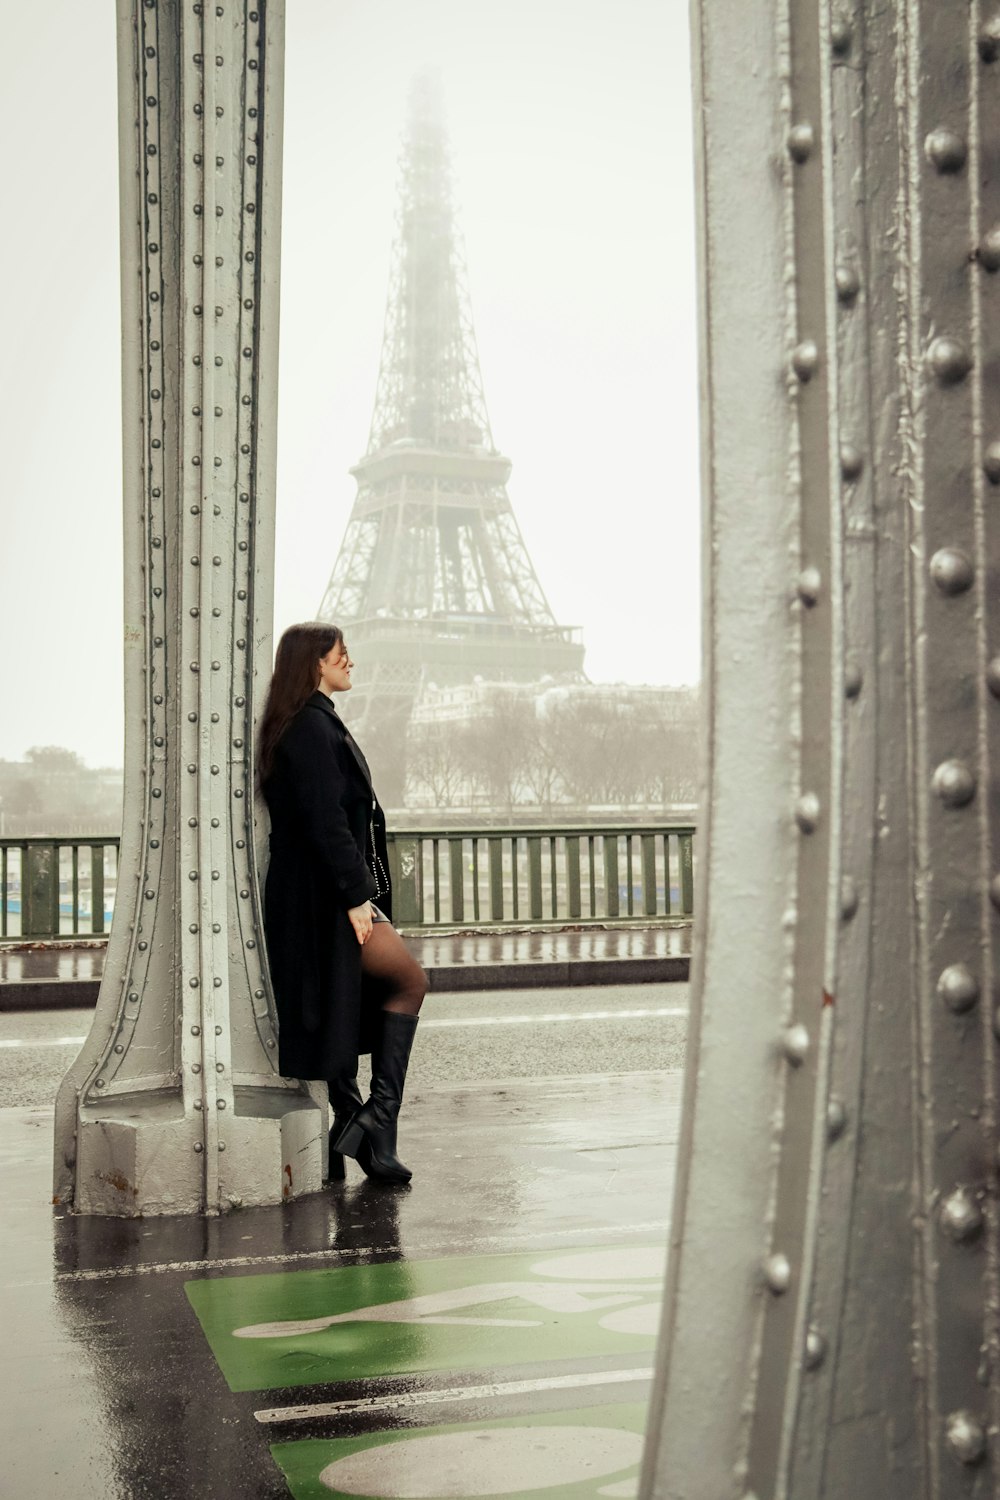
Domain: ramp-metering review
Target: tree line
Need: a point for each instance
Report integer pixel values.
(579, 749)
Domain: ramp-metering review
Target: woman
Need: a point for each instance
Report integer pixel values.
(344, 982)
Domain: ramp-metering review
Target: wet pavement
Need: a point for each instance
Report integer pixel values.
(489, 1329)
(58, 975)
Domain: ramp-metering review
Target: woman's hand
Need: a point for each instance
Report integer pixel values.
(361, 920)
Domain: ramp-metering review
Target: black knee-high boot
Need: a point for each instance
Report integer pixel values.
(371, 1135)
(345, 1101)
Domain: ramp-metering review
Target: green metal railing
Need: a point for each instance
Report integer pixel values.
(502, 877)
(52, 888)
(56, 887)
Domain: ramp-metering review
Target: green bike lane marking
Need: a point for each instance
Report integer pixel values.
(589, 1452)
(351, 1323)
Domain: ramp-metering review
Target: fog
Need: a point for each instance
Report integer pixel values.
(571, 144)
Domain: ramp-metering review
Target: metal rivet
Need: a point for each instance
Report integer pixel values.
(198, 1145)
(217, 983)
(251, 943)
(192, 822)
(993, 676)
(848, 898)
(954, 783)
(853, 679)
(809, 586)
(946, 150)
(961, 1216)
(239, 702)
(271, 1041)
(965, 1436)
(119, 1048)
(100, 1083)
(244, 894)
(836, 1120)
(196, 1031)
(150, 895)
(215, 770)
(134, 994)
(237, 793)
(196, 1067)
(989, 40)
(852, 461)
(801, 140)
(841, 35)
(193, 983)
(991, 463)
(193, 875)
(949, 360)
(988, 252)
(816, 1347)
(220, 1103)
(952, 571)
(192, 768)
(805, 359)
(958, 987)
(848, 283)
(222, 1147)
(198, 1104)
(807, 812)
(777, 1273)
(795, 1044)
(193, 927)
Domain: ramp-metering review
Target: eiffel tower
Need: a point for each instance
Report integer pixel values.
(433, 583)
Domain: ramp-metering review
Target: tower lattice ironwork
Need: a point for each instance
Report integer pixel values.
(433, 579)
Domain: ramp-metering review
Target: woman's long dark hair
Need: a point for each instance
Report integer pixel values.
(296, 673)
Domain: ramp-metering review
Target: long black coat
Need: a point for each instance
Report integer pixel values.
(327, 838)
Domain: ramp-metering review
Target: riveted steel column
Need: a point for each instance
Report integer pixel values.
(174, 1105)
(842, 1071)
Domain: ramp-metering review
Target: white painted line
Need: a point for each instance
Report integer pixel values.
(497, 1245)
(541, 1018)
(398, 1400)
(545, 1017)
(44, 1041)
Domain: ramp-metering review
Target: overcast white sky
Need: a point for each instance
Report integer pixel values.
(571, 137)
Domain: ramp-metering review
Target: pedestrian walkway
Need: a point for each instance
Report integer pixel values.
(58, 976)
(488, 1330)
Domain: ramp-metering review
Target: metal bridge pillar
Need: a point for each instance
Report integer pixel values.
(831, 1319)
(174, 1105)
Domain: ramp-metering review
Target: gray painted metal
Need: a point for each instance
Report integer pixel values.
(832, 1309)
(174, 1105)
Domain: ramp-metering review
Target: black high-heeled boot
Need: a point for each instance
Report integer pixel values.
(345, 1101)
(371, 1136)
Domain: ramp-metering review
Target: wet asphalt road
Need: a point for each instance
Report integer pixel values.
(464, 1038)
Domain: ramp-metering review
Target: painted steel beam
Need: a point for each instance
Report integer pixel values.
(174, 1104)
(831, 1320)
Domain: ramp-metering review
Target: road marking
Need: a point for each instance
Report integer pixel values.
(549, 1016)
(472, 1247)
(397, 1400)
(44, 1041)
(544, 1017)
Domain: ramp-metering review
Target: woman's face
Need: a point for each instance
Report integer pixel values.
(335, 670)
